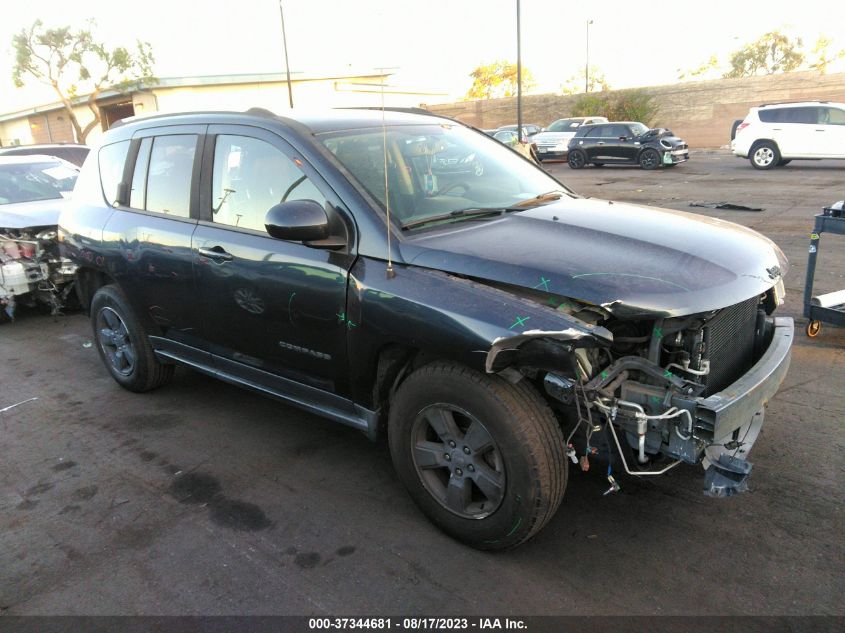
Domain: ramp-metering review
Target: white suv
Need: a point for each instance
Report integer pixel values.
(774, 134)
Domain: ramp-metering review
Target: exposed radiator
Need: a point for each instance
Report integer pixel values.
(730, 344)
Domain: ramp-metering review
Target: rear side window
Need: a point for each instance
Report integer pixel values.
(790, 115)
(596, 131)
(112, 159)
(163, 173)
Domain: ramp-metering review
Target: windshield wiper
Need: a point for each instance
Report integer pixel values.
(460, 214)
(549, 196)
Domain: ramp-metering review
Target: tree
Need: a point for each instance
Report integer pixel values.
(596, 82)
(772, 53)
(620, 105)
(492, 81)
(823, 56)
(74, 63)
(706, 68)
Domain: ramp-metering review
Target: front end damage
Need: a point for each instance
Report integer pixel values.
(660, 391)
(32, 271)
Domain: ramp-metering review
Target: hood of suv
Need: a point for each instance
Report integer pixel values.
(633, 260)
(23, 215)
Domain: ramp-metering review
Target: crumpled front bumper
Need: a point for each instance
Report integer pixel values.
(736, 414)
(735, 405)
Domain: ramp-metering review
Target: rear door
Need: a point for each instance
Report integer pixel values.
(268, 305)
(793, 129)
(151, 233)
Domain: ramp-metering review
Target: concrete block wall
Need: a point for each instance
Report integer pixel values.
(701, 112)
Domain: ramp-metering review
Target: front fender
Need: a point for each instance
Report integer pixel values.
(446, 316)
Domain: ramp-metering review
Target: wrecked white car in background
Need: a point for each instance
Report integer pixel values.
(32, 192)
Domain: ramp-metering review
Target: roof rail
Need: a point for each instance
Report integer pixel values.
(763, 105)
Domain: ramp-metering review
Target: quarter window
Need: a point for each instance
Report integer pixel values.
(250, 177)
(171, 166)
(832, 116)
(112, 159)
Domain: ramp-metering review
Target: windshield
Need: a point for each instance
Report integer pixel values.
(26, 182)
(564, 125)
(639, 129)
(434, 170)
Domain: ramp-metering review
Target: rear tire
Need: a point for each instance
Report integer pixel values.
(764, 155)
(124, 344)
(481, 457)
(577, 159)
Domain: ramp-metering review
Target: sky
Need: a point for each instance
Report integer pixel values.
(432, 44)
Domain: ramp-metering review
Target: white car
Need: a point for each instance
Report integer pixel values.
(772, 135)
(554, 141)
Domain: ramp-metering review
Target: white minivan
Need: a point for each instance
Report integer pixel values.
(772, 135)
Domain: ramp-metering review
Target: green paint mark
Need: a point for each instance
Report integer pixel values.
(663, 281)
(290, 301)
(604, 375)
(668, 374)
(342, 318)
(544, 284)
(658, 332)
(519, 321)
(515, 527)
(654, 400)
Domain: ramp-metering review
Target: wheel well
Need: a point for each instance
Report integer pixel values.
(394, 363)
(88, 282)
(757, 143)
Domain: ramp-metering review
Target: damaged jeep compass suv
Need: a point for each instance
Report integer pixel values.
(495, 327)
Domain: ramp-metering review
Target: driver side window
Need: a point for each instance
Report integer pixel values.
(250, 176)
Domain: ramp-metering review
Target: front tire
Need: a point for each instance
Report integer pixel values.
(764, 155)
(649, 159)
(123, 343)
(577, 159)
(481, 457)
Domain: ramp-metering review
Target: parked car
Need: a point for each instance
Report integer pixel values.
(494, 327)
(773, 135)
(528, 129)
(511, 139)
(32, 192)
(553, 142)
(622, 143)
(71, 152)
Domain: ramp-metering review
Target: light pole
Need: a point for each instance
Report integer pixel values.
(587, 62)
(285, 44)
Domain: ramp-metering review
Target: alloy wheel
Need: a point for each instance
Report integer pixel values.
(114, 340)
(458, 461)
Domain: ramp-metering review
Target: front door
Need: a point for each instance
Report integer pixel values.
(271, 305)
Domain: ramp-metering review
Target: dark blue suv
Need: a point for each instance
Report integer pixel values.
(493, 323)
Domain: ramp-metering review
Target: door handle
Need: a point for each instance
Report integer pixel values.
(600, 143)
(217, 253)
(818, 130)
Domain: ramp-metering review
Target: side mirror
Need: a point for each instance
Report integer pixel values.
(299, 220)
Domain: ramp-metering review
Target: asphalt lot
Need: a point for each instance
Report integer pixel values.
(201, 498)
